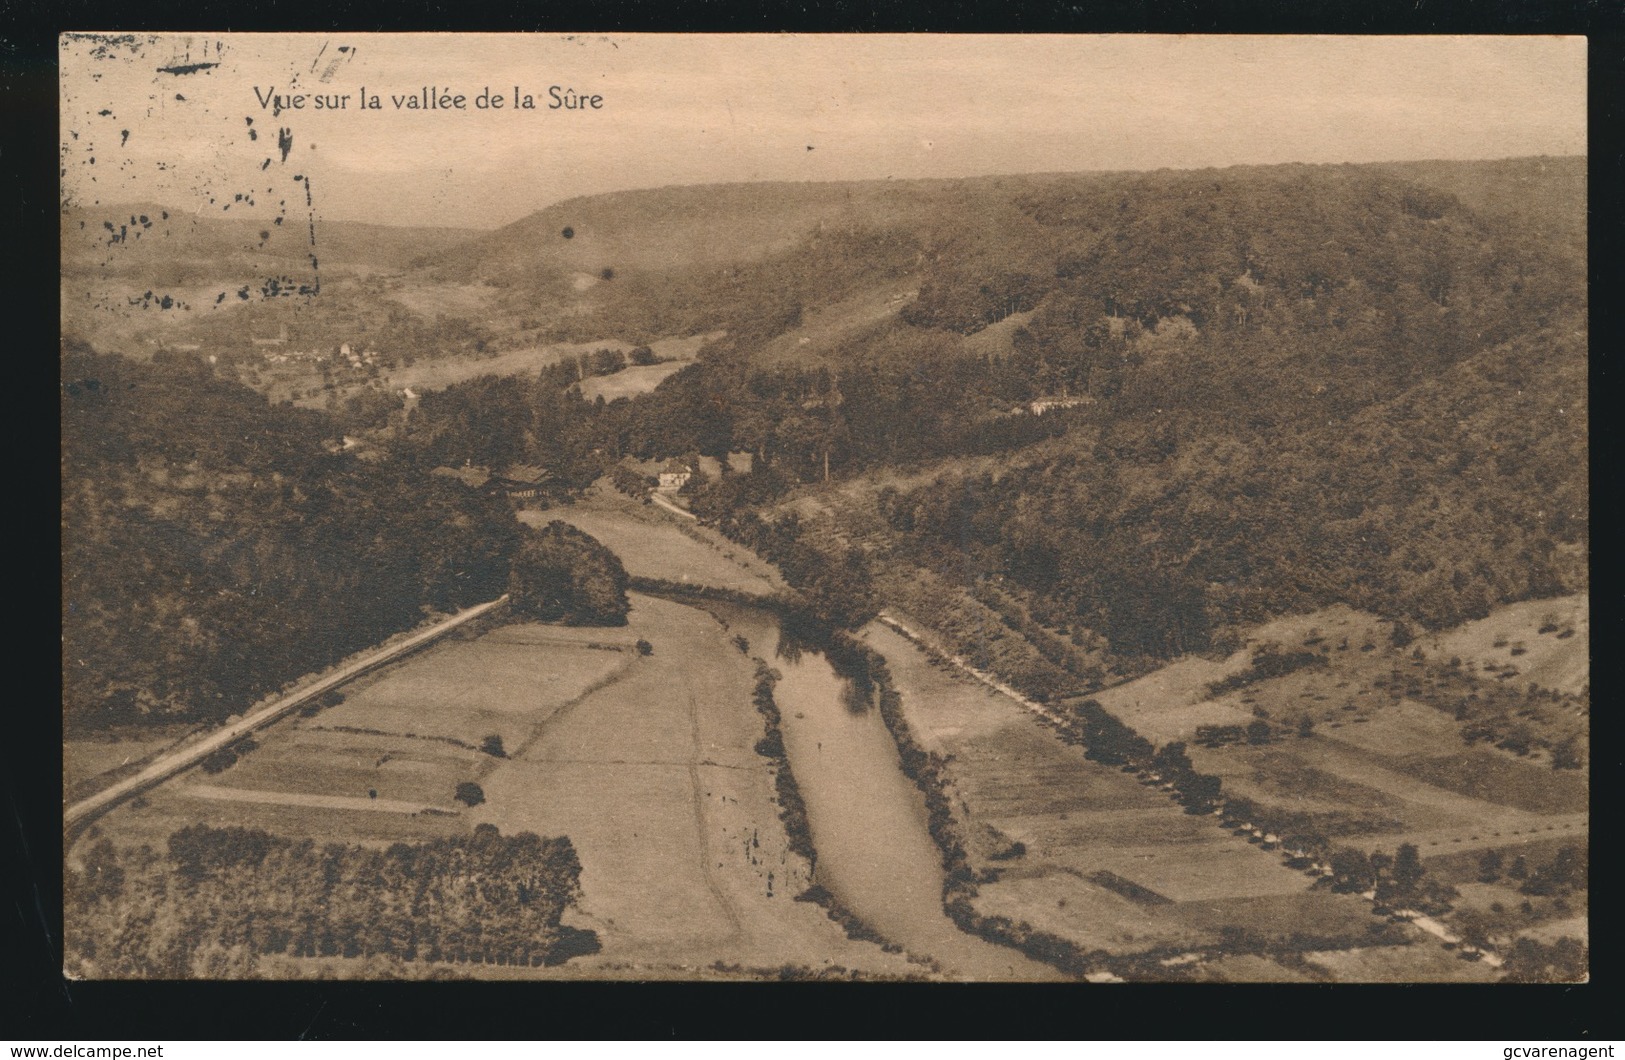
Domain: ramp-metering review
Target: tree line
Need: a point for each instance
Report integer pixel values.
(217, 901)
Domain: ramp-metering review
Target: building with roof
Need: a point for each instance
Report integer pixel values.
(674, 476)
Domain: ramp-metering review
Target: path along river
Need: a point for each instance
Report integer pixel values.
(867, 819)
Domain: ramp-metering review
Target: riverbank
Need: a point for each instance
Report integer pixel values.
(1063, 848)
(648, 762)
(869, 824)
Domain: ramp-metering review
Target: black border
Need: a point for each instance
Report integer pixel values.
(42, 1006)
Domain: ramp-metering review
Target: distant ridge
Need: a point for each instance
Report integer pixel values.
(735, 223)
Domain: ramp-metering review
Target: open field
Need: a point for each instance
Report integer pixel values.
(1421, 962)
(1249, 968)
(505, 683)
(438, 374)
(652, 546)
(1549, 641)
(287, 798)
(647, 763)
(629, 382)
(823, 329)
(1015, 781)
(449, 299)
(88, 758)
(1550, 931)
(995, 340)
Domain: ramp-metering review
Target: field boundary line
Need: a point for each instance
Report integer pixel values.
(987, 679)
(168, 765)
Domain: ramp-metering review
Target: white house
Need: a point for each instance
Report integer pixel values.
(674, 476)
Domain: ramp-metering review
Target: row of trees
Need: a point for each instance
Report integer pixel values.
(217, 900)
(1568, 871)
(1110, 742)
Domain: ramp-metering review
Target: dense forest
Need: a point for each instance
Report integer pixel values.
(219, 901)
(1293, 387)
(1263, 389)
(1436, 505)
(561, 574)
(216, 546)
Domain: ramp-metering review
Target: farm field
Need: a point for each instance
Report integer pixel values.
(1377, 762)
(1365, 748)
(647, 763)
(651, 545)
(1109, 863)
(86, 759)
(629, 382)
(505, 683)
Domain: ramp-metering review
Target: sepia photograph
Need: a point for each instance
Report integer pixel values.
(825, 507)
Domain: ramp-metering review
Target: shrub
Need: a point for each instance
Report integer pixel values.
(220, 761)
(470, 793)
(645, 648)
(492, 745)
(226, 757)
(630, 482)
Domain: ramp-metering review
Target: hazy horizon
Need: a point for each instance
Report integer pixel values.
(872, 180)
(186, 120)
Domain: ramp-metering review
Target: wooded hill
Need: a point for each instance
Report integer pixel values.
(216, 546)
(642, 264)
(1295, 385)
(1286, 386)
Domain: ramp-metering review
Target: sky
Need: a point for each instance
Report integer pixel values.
(186, 121)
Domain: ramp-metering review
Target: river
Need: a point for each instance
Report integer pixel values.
(867, 819)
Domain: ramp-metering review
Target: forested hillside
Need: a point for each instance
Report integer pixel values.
(1458, 494)
(215, 546)
(1157, 407)
(1281, 388)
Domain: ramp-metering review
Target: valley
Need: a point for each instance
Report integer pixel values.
(1175, 576)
